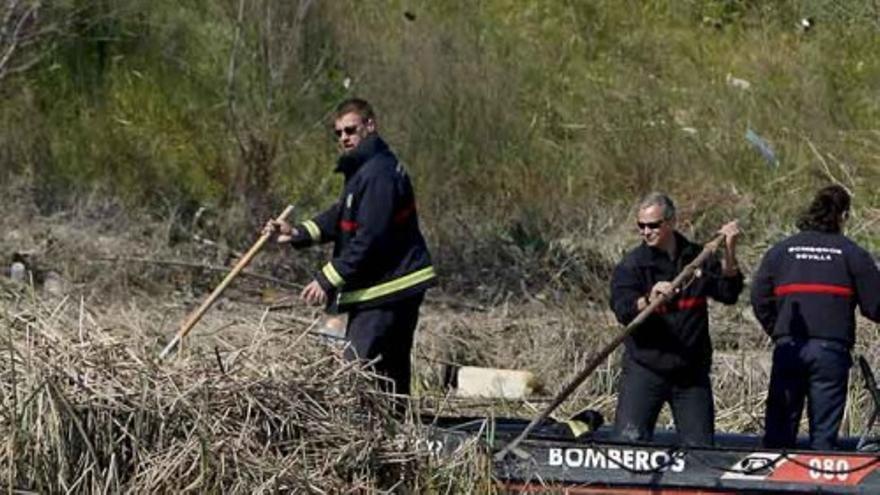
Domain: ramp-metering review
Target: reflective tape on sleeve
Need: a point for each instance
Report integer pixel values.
(386, 288)
(313, 230)
(332, 275)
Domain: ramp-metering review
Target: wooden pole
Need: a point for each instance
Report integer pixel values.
(196, 315)
(686, 274)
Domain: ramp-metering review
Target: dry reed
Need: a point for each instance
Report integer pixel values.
(87, 408)
(253, 404)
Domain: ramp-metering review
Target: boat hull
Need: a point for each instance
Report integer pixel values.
(554, 459)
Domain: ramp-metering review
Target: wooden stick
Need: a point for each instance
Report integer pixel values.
(195, 316)
(200, 266)
(686, 274)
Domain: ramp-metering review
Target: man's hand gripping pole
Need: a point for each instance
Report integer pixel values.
(687, 273)
(196, 315)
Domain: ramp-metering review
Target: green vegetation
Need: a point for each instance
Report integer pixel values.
(530, 128)
(526, 125)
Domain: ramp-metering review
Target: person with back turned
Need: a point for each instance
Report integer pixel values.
(805, 293)
(381, 266)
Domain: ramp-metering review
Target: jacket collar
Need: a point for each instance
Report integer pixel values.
(351, 162)
(687, 250)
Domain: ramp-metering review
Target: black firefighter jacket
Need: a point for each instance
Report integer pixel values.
(379, 254)
(809, 285)
(675, 337)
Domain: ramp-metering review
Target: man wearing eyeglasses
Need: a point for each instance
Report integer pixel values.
(667, 359)
(381, 266)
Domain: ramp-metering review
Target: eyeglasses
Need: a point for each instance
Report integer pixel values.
(348, 130)
(650, 225)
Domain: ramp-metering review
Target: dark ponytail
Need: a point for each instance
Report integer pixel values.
(826, 210)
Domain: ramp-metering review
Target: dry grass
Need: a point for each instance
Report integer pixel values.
(255, 402)
(86, 407)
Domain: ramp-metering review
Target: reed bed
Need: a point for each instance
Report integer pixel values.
(554, 343)
(86, 408)
(255, 402)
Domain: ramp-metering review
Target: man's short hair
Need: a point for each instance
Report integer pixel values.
(661, 200)
(355, 105)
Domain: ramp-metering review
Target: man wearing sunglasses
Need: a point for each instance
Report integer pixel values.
(381, 266)
(667, 359)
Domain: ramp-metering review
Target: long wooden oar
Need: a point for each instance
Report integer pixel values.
(686, 274)
(196, 315)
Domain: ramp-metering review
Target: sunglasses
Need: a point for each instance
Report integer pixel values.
(649, 225)
(348, 130)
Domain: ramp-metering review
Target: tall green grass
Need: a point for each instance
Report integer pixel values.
(523, 124)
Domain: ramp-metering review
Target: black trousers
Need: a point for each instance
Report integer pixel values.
(385, 332)
(816, 370)
(642, 393)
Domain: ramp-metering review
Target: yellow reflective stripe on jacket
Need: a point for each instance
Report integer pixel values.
(578, 428)
(332, 275)
(312, 228)
(389, 287)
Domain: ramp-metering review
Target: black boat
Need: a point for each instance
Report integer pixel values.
(554, 458)
(573, 457)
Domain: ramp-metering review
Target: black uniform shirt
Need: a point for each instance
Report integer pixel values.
(809, 285)
(379, 253)
(676, 336)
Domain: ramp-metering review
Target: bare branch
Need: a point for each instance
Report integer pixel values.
(25, 25)
(11, 8)
(232, 116)
(18, 30)
(23, 66)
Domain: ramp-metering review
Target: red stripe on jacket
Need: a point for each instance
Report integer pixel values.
(682, 304)
(348, 225)
(691, 302)
(401, 216)
(834, 290)
(404, 213)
